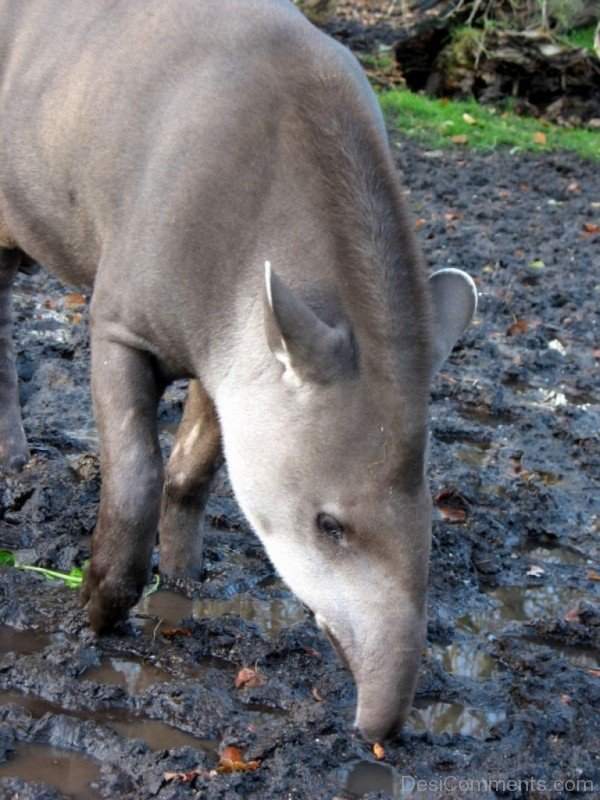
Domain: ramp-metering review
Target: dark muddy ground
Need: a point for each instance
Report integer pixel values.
(509, 689)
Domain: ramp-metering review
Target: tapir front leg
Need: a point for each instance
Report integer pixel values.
(195, 458)
(14, 453)
(126, 394)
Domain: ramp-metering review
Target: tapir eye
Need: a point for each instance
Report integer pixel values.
(329, 525)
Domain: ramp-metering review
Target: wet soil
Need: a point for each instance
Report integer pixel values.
(509, 686)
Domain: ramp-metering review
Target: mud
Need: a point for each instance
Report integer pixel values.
(509, 686)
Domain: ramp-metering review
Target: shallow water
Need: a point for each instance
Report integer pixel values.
(71, 773)
(518, 604)
(13, 640)
(465, 660)
(453, 718)
(272, 616)
(157, 735)
(133, 676)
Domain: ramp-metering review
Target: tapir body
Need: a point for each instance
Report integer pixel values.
(164, 155)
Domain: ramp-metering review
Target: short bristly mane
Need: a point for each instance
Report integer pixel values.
(381, 271)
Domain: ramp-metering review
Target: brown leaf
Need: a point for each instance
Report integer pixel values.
(574, 187)
(419, 223)
(539, 137)
(314, 653)
(378, 751)
(250, 678)
(591, 227)
(184, 777)
(565, 699)
(231, 753)
(231, 760)
(460, 138)
(49, 303)
(573, 615)
(316, 695)
(595, 673)
(451, 514)
(518, 326)
(172, 633)
(451, 506)
(76, 318)
(73, 300)
(592, 575)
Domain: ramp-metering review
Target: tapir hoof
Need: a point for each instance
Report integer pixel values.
(109, 598)
(13, 457)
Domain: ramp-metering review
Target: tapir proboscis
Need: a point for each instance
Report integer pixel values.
(164, 155)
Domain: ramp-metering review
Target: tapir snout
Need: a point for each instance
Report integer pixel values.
(147, 170)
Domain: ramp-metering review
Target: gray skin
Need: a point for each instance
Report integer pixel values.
(163, 155)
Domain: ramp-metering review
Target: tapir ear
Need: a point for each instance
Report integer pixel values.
(309, 349)
(454, 296)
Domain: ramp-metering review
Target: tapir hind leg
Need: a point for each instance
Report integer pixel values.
(14, 452)
(195, 458)
(126, 390)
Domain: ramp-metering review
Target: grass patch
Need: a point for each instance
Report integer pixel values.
(580, 37)
(447, 123)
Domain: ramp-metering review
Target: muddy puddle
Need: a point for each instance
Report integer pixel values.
(272, 616)
(24, 642)
(127, 723)
(464, 659)
(133, 676)
(518, 604)
(71, 773)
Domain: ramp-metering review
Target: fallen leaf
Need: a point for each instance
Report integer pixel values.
(450, 216)
(378, 751)
(49, 303)
(573, 615)
(460, 138)
(591, 227)
(184, 777)
(565, 699)
(316, 695)
(419, 223)
(172, 633)
(312, 652)
(470, 120)
(595, 673)
(450, 514)
(226, 765)
(250, 678)
(518, 326)
(231, 753)
(592, 575)
(539, 137)
(574, 187)
(73, 300)
(537, 263)
(535, 571)
(451, 506)
(76, 318)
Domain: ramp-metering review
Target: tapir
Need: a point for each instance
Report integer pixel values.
(217, 174)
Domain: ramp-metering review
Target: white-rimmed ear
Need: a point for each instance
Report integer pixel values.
(308, 348)
(454, 296)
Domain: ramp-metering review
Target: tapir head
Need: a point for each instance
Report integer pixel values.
(327, 451)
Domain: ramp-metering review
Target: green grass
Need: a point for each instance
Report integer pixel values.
(580, 37)
(436, 122)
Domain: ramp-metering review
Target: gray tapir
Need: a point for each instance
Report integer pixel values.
(165, 155)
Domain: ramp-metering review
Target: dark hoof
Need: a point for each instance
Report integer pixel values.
(109, 599)
(16, 463)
